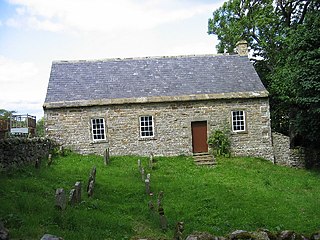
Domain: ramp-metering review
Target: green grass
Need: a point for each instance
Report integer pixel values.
(239, 193)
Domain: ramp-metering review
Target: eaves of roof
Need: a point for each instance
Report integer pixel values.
(160, 99)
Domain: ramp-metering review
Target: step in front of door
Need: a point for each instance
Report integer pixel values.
(204, 159)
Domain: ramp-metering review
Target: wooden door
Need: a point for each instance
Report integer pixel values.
(199, 137)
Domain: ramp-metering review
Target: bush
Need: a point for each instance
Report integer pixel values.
(219, 142)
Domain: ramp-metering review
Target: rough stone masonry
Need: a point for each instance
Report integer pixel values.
(172, 120)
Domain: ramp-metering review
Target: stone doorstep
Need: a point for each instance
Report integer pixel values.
(204, 159)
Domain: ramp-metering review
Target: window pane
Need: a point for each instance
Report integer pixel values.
(97, 126)
(146, 126)
(238, 121)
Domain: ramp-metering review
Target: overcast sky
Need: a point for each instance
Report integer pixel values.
(33, 33)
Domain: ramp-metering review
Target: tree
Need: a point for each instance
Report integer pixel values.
(275, 31)
(4, 122)
(5, 114)
(264, 24)
(40, 127)
(296, 82)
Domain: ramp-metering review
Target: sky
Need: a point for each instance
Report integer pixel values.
(33, 33)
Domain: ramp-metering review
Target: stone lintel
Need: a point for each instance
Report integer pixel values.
(183, 98)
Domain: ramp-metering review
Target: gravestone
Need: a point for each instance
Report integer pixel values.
(90, 190)
(72, 197)
(4, 233)
(149, 177)
(60, 199)
(161, 211)
(37, 164)
(93, 173)
(92, 177)
(50, 237)
(61, 151)
(89, 181)
(163, 219)
(163, 222)
(139, 165)
(147, 183)
(159, 200)
(151, 161)
(77, 188)
(106, 156)
(178, 231)
(49, 159)
(315, 236)
(150, 205)
(142, 174)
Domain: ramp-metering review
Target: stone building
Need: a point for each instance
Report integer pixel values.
(164, 105)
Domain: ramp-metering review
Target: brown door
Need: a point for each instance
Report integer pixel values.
(199, 137)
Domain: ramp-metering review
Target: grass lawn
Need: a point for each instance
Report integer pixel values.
(239, 193)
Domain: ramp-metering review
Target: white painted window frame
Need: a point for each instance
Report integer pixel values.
(145, 123)
(238, 119)
(98, 127)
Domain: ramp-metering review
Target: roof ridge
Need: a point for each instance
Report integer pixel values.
(141, 58)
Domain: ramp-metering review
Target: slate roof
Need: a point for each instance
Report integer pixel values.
(151, 77)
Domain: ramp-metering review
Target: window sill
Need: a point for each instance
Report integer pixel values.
(97, 142)
(147, 139)
(240, 132)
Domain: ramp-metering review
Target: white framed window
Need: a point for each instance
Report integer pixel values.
(146, 126)
(238, 121)
(98, 129)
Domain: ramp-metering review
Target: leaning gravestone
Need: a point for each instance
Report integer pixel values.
(60, 199)
(90, 190)
(93, 173)
(92, 177)
(89, 181)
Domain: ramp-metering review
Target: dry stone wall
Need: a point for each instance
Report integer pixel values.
(15, 152)
(284, 155)
(71, 127)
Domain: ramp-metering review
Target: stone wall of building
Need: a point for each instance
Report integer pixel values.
(71, 127)
(16, 152)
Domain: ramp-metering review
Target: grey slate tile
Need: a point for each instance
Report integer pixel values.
(148, 77)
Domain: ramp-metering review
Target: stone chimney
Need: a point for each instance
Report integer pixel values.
(242, 48)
